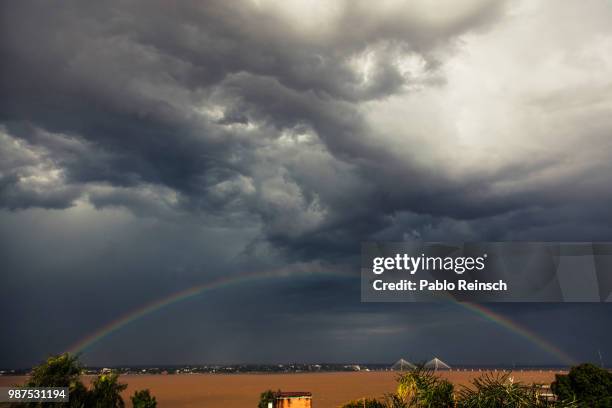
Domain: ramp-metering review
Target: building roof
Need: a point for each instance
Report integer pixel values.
(292, 394)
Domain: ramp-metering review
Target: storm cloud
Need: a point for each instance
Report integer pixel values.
(291, 132)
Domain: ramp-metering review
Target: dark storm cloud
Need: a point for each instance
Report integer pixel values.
(193, 100)
(128, 82)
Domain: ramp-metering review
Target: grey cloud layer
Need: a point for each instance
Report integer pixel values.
(273, 112)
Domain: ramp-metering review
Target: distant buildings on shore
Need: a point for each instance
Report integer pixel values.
(400, 365)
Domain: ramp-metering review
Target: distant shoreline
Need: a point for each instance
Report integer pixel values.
(276, 369)
(254, 372)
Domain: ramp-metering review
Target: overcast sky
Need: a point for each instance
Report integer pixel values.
(149, 146)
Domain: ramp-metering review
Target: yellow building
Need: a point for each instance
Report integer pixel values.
(292, 399)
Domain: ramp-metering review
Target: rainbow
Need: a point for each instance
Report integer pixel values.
(90, 340)
(515, 328)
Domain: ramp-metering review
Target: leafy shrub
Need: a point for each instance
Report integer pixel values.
(497, 391)
(58, 371)
(265, 398)
(422, 388)
(586, 384)
(106, 391)
(143, 399)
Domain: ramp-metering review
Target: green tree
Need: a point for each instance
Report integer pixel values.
(396, 401)
(62, 370)
(106, 391)
(264, 398)
(421, 387)
(143, 399)
(439, 395)
(80, 396)
(585, 384)
(57, 371)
